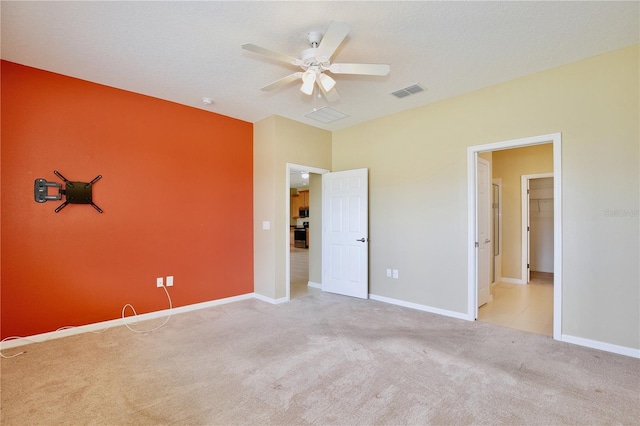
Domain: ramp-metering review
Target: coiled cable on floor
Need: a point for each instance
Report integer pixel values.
(67, 327)
(135, 314)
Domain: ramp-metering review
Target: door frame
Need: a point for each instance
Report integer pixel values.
(472, 273)
(287, 256)
(526, 241)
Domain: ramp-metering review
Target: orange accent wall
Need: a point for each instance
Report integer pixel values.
(176, 193)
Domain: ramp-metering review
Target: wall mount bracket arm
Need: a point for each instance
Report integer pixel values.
(74, 192)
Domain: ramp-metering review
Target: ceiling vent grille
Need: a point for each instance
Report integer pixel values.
(407, 91)
(326, 115)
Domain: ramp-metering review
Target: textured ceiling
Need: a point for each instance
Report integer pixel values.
(184, 51)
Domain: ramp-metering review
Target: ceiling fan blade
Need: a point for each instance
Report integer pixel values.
(330, 95)
(271, 54)
(362, 69)
(282, 82)
(335, 34)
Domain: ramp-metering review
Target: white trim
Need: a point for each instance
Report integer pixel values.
(557, 237)
(472, 152)
(99, 326)
(418, 307)
(314, 285)
(508, 280)
(607, 347)
(472, 293)
(524, 208)
(103, 325)
(287, 256)
(270, 300)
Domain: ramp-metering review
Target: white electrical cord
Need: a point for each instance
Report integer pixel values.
(135, 314)
(66, 327)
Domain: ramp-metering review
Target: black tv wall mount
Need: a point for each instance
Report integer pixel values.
(74, 192)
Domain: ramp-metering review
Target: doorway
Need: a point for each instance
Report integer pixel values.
(537, 224)
(474, 259)
(303, 256)
(520, 302)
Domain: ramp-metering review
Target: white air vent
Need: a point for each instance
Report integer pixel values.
(326, 115)
(407, 91)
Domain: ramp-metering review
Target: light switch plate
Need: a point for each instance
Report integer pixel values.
(170, 281)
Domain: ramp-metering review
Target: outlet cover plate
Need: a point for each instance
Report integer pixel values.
(170, 281)
(159, 282)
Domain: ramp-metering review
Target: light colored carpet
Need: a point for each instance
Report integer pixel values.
(321, 359)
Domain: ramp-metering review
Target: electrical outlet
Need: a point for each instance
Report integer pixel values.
(159, 282)
(395, 273)
(170, 281)
(389, 272)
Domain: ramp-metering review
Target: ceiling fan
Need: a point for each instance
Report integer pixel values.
(316, 60)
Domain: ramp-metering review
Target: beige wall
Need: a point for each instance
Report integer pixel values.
(278, 141)
(418, 189)
(264, 206)
(510, 165)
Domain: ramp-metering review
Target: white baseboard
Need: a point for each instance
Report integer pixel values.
(508, 280)
(104, 325)
(314, 285)
(419, 307)
(269, 299)
(607, 347)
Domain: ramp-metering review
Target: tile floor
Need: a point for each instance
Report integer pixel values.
(523, 307)
(300, 273)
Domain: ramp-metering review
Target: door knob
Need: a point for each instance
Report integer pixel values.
(362, 240)
(487, 241)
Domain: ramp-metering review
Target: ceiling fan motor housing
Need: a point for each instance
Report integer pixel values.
(314, 38)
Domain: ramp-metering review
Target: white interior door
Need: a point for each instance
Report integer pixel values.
(345, 233)
(527, 276)
(484, 227)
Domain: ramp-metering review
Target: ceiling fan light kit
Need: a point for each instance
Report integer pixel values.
(327, 82)
(315, 60)
(308, 81)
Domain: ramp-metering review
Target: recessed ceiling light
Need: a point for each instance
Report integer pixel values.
(207, 101)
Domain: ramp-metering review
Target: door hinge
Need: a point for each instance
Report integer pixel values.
(477, 245)
(527, 228)
(528, 266)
